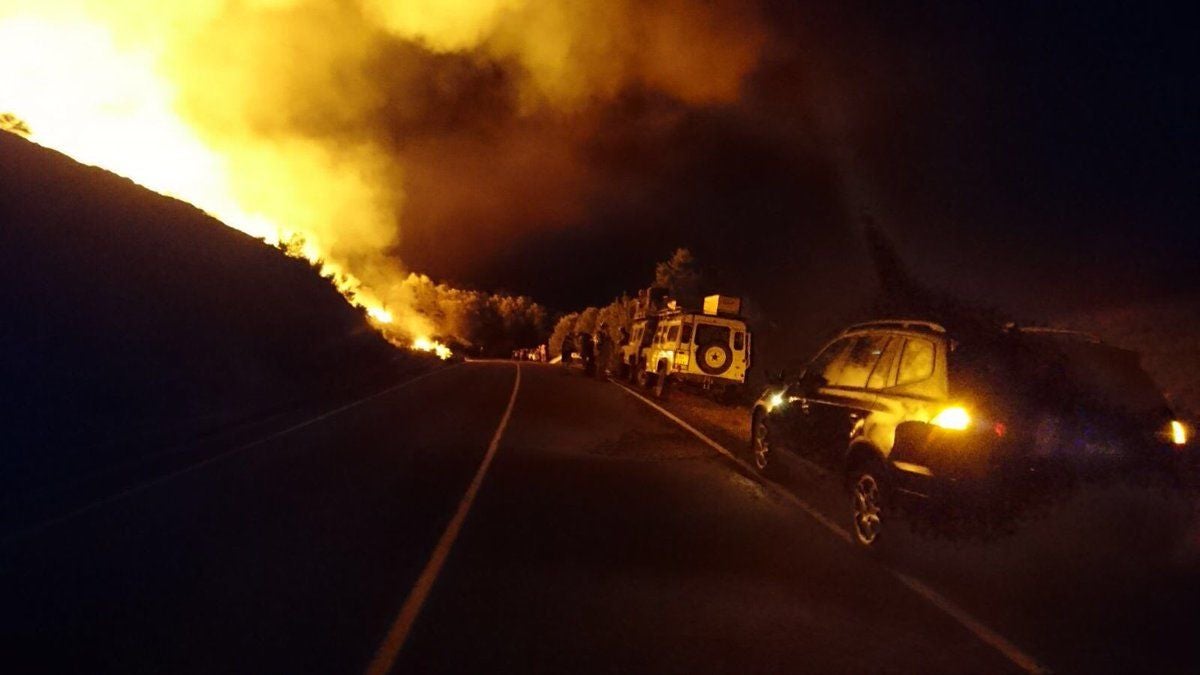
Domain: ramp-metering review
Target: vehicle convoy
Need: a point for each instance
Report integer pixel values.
(965, 425)
(710, 349)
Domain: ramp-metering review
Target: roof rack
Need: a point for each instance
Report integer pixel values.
(899, 324)
(1063, 332)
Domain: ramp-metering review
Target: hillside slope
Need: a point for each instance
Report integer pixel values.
(126, 316)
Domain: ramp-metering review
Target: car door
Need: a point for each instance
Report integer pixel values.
(834, 411)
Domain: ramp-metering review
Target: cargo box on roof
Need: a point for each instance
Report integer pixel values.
(715, 305)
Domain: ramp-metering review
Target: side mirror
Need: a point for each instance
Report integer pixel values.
(810, 382)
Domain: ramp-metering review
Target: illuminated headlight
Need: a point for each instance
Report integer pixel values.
(1179, 433)
(954, 417)
(775, 400)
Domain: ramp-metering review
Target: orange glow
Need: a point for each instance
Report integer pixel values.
(424, 344)
(266, 113)
(110, 103)
(954, 417)
(1179, 435)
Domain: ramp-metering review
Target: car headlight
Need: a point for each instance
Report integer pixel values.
(955, 417)
(775, 400)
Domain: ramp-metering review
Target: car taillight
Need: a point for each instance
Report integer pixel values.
(955, 417)
(1179, 433)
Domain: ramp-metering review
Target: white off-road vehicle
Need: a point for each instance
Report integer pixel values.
(710, 349)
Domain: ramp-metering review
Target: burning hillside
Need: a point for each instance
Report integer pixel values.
(303, 123)
(132, 321)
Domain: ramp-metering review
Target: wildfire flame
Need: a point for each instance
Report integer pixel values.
(286, 119)
(74, 88)
(425, 344)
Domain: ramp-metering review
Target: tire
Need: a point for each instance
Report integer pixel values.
(873, 524)
(644, 379)
(761, 453)
(714, 358)
(661, 386)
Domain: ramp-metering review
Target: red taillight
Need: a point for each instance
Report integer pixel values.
(1000, 428)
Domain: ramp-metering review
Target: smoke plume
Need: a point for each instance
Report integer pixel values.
(331, 125)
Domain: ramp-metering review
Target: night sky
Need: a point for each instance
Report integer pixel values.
(1036, 158)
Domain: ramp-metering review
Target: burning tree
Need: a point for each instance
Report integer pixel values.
(14, 125)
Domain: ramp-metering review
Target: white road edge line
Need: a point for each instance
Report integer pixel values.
(141, 487)
(978, 629)
(393, 642)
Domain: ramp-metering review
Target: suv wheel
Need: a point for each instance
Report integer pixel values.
(644, 379)
(872, 523)
(760, 444)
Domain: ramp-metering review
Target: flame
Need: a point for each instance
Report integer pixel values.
(278, 117)
(82, 94)
(424, 344)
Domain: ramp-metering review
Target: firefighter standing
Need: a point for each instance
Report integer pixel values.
(587, 351)
(604, 351)
(568, 347)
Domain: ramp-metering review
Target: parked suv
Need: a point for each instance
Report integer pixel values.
(922, 421)
(710, 351)
(633, 351)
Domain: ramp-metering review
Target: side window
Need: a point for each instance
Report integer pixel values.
(637, 335)
(673, 334)
(739, 341)
(879, 376)
(916, 362)
(860, 360)
(829, 362)
(686, 337)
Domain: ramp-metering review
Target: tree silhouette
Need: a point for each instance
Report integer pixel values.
(679, 276)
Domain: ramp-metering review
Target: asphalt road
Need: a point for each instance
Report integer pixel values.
(600, 536)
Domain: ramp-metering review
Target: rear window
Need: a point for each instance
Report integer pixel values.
(686, 336)
(1111, 377)
(707, 333)
(1057, 371)
(739, 341)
